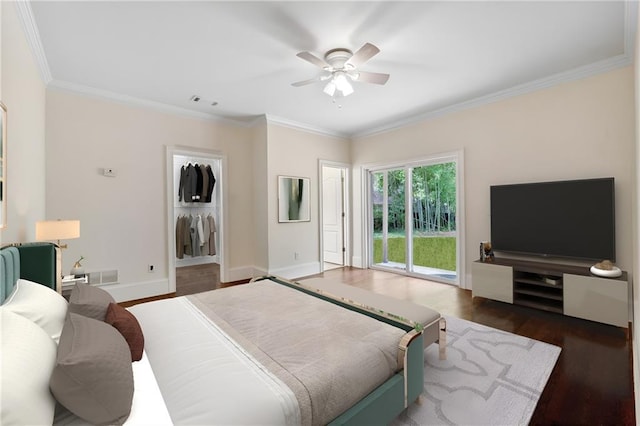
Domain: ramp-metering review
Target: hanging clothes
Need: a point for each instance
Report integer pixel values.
(206, 233)
(212, 237)
(180, 230)
(198, 191)
(187, 186)
(205, 183)
(187, 235)
(195, 241)
(196, 184)
(211, 183)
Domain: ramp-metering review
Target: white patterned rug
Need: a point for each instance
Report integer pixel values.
(490, 377)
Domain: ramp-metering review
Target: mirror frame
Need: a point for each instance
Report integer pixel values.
(3, 166)
(293, 199)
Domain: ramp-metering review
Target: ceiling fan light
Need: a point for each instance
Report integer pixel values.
(340, 79)
(330, 88)
(347, 89)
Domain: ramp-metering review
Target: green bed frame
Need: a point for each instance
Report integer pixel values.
(388, 400)
(37, 262)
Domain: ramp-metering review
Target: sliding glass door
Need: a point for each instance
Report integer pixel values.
(413, 219)
(388, 195)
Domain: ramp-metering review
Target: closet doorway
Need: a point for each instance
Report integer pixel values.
(333, 218)
(195, 216)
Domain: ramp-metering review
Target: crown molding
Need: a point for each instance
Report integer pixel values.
(25, 14)
(133, 101)
(305, 127)
(606, 65)
(543, 83)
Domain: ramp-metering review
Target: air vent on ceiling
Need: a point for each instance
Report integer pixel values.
(199, 99)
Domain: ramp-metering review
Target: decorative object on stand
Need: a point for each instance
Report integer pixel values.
(486, 252)
(606, 269)
(78, 270)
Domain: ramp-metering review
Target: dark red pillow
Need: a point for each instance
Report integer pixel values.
(127, 324)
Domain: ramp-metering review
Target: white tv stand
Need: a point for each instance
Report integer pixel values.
(564, 289)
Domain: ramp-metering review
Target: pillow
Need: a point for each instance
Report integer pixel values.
(93, 377)
(40, 304)
(127, 324)
(28, 358)
(89, 301)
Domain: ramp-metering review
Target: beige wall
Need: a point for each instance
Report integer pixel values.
(294, 152)
(260, 198)
(124, 219)
(580, 129)
(23, 92)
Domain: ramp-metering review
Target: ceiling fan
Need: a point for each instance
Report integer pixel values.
(340, 66)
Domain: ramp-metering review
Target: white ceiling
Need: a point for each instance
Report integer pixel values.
(441, 55)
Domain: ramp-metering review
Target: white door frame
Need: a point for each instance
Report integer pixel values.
(346, 205)
(221, 226)
(367, 224)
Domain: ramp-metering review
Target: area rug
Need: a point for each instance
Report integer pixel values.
(490, 377)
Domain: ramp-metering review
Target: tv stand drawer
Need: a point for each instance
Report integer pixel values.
(492, 281)
(597, 299)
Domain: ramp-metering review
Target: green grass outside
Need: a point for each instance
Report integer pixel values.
(434, 252)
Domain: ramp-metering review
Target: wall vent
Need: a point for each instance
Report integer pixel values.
(103, 277)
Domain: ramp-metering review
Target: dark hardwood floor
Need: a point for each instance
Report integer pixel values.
(592, 382)
(197, 278)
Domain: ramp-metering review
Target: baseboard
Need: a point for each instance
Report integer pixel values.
(140, 290)
(297, 271)
(244, 273)
(468, 282)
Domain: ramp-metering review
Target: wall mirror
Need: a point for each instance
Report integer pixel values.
(3, 166)
(293, 199)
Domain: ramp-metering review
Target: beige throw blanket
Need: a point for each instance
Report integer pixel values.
(329, 357)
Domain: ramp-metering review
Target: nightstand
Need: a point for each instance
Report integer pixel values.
(69, 281)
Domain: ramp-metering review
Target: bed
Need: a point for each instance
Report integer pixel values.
(272, 351)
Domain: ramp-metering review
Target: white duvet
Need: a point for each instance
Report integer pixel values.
(203, 375)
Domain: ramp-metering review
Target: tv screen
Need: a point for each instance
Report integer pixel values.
(573, 219)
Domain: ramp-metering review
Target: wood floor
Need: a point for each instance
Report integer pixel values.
(592, 382)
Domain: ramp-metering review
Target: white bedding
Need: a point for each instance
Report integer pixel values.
(195, 363)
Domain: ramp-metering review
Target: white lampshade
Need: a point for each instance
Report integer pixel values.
(330, 88)
(50, 230)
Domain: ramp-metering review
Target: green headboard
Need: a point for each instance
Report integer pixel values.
(37, 262)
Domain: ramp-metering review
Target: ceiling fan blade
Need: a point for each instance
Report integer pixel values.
(312, 59)
(363, 54)
(305, 82)
(372, 77)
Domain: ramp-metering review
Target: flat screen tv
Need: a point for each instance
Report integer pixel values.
(567, 219)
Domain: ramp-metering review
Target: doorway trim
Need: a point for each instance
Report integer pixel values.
(346, 197)
(221, 226)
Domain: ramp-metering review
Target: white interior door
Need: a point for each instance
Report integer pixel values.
(333, 215)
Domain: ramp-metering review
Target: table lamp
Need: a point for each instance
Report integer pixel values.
(50, 230)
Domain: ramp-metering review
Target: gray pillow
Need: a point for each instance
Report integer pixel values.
(89, 301)
(93, 377)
